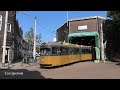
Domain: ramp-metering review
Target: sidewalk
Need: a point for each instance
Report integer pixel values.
(17, 65)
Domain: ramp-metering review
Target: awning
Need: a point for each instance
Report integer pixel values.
(82, 34)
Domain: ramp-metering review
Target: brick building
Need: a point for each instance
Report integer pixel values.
(89, 24)
(82, 31)
(15, 44)
(10, 34)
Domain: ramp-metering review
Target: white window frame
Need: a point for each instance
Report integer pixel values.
(0, 22)
(9, 28)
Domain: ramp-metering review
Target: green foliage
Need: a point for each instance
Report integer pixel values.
(29, 35)
(38, 38)
(111, 31)
(114, 15)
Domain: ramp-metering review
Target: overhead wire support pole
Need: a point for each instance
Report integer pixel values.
(68, 31)
(67, 18)
(101, 44)
(4, 39)
(34, 48)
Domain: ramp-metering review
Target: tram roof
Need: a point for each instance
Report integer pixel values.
(63, 44)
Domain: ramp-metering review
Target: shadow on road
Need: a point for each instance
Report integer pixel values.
(20, 74)
(118, 64)
(69, 64)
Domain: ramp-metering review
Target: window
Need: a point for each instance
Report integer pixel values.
(71, 51)
(83, 51)
(45, 51)
(9, 27)
(77, 51)
(86, 51)
(63, 51)
(84, 27)
(0, 22)
(53, 50)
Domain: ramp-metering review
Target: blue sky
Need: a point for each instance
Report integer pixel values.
(49, 21)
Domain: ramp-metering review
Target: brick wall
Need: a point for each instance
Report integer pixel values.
(10, 35)
(93, 24)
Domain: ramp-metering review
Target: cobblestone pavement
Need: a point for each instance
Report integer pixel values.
(81, 70)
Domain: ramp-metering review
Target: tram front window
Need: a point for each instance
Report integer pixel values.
(45, 51)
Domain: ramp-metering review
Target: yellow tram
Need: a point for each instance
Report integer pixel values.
(57, 54)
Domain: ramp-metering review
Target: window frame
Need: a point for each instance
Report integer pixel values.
(0, 22)
(9, 27)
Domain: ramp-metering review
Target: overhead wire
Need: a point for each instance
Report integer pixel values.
(37, 22)
(45, 30)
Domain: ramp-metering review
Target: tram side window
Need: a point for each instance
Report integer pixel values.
(76, 50)
(90, 50)
(71, 51)
(63, 51)
(45, 51)
(55, 50)
(83, 51)
(80, 51)
(86, 51)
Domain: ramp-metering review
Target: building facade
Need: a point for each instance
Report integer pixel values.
(82, 31)
(87, 24)
(16, 46)
(10, 34)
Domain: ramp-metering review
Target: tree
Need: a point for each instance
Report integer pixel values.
(112, 33)
(29, 36)
(38, 41)
(38, 38)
